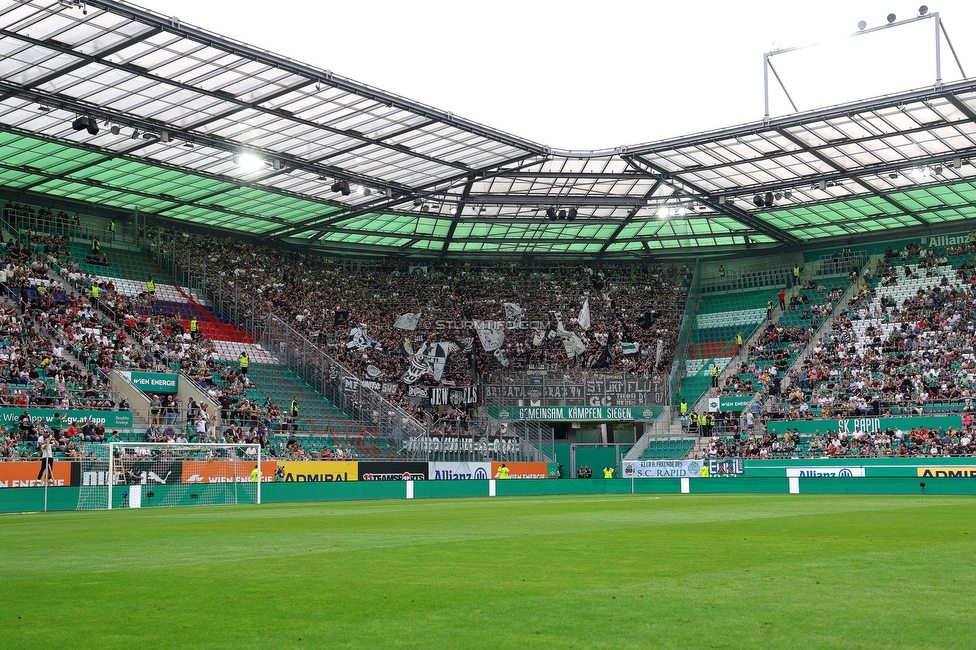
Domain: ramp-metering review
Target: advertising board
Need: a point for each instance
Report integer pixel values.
(309, 471)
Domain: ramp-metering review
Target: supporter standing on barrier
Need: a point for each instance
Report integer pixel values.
(47, 461)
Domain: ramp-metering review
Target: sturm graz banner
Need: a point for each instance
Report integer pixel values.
(446, 395)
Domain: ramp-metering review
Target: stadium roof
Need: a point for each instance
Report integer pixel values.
(198, 129)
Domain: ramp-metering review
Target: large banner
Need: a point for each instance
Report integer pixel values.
(460, 471)
(225, 472)
(574, 413)
(310, 471)
(153, 382)
(522, 470)
(14, 474)
(109, 419)
(868, 425)
(665, 468)
(393, 471)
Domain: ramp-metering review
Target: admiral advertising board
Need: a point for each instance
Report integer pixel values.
(311, 471)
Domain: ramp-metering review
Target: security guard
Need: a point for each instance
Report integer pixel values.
(714, 376)
(738, 341)
(769, 308)
(93, 295)
(502, 472)
(607, 472)
(96, 247)
(245, 362)
(683, 406)
(151, 288)
(721, 271)
(294, 407)
(111, 226)
(796, 274)
(193, 328)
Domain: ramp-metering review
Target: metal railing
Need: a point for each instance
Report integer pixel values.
(684, 337)
(125, 234)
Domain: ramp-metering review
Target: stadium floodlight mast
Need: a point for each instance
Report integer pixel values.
(862, 29)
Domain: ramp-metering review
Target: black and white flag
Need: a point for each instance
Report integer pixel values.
(513, 316)
(407, 321)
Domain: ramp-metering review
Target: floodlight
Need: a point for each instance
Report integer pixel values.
(938, 170)
(135, 134)
(248, 162)
(92, 126)
(788, 194)
(892, 18)
(115, 129)
(923, 10)
(80, 123)
(425, 208)
(562, 214)
(769, 199)
(957, 163)
(416, 202)
(893, 175)
(367, 191)
(572, 214)
(758, 200)
(777, 196)
(343, 187)
(551, 213)
(861, 25)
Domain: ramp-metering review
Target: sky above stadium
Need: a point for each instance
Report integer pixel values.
(597, 75)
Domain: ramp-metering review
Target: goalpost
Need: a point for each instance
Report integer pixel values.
(151, 474)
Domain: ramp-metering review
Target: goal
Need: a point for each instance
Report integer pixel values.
(151, 475)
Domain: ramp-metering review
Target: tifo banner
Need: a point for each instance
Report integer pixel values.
(664, 468)
(310, 471)
(868, 425)
(522, 470)
(225, 472)
(154, 382)
(109, 419)
(395, 471)
(460, 471)
(14, 474)
(729, 402)
(947, 472)
(574, 413)
(825, 472)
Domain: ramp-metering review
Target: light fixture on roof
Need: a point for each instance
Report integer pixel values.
(920, 173)
(938, 170)
(893, 175)
(892, 18)
(861, 25)
(85, 122)
(135, 134)
(788, 194)
(777, 196)
(551, 213)
(343, 187)
(562, 214)
(115, 129)
(923, 10)
(416, 202)
(44, 109)
(572, 214)
(188, 145)
(247, 162)
(425, 208)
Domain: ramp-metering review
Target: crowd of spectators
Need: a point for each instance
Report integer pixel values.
(327, 298)
(892, 441)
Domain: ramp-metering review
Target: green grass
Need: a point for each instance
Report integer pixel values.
(568, 572)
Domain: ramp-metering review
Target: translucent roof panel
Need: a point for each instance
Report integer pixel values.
(192, 127)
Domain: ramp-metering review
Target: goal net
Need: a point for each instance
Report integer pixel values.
(151, 475)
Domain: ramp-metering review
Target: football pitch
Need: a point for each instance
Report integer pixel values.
(566, 572)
